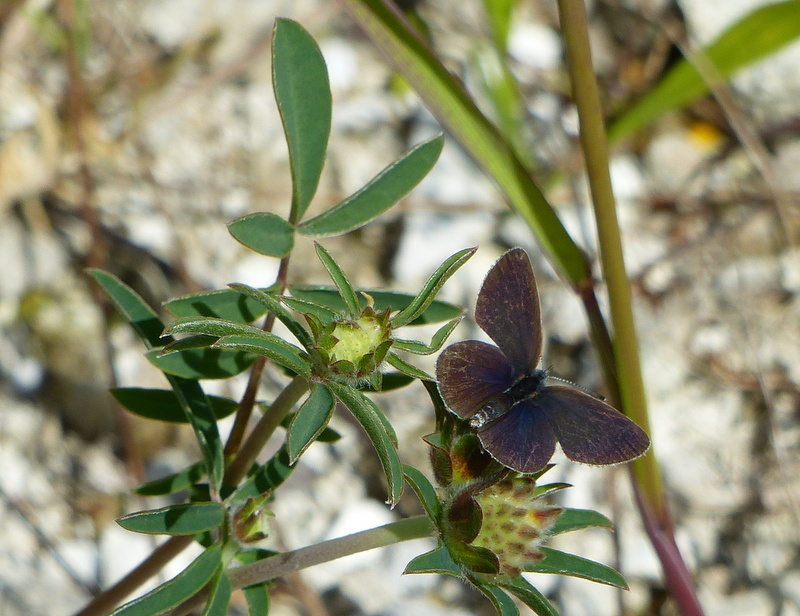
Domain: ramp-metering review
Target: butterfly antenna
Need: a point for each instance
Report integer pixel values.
(573, 384)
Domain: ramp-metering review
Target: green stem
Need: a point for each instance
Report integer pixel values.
(647, 477)
(264, 429)
(289, 562)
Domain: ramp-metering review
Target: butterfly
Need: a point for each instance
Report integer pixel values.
(505, 397)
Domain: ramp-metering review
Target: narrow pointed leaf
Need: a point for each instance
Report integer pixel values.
(381, 193)
(219, 596)
(504, 604)
(562, 563)
(435, 561)
(202, 363)
(209, 326)
(395, 361)
(424, 491)
(303, 306)
(448, 100)
(222, 304)
(437, 341)
(277, 349)
(265, 233)
(303, 93)
(267, 477)
(163, 404)
(341, 281)
(276, 307)
(379, 433)
(309, 421)
(436, 312)
(176, 482)
(529, 595)
(328, 435)
(755, 36)
(132, 307)
(189, 393)
(431, 288)
(576, 519)
(175, 520)
(178, 589)
(199, 341)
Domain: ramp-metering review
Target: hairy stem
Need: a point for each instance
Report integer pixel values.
(289, 562)
(264, 429)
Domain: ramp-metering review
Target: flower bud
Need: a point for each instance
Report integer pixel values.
(514, 523)
(250, 521)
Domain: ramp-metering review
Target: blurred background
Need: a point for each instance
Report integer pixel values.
(132, 131)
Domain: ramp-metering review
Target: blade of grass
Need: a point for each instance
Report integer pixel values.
(447, 99)
(575, 31)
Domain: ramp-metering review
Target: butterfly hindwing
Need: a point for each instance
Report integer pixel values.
(508, 310)
(522, 439)
(589, 430)
(471, 372)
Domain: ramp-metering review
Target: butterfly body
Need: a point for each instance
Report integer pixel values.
(525, 387)
(503, 395)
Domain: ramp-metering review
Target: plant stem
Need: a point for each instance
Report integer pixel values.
(289, 562)
(647, 477)
(264, 429)
(106, 601)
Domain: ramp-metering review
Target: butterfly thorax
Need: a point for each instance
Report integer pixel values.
(497, 406)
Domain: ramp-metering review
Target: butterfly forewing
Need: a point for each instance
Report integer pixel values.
(508, 310)
(471, 372)
(589, 430)
(522, 439)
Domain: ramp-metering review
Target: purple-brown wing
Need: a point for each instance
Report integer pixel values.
(471, 372)
(522, 439)
(589, 430)
(508, 310)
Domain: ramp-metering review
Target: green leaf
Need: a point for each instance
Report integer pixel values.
(265, 233)
(276, 307)
(341, 281)
(200, 341)
(132, 307)
(269, 345)
(303, 93)
(499, 13)
(163, 404)
(379, 432)
(448, 100)
(178, 589)
(556, 561)
(435, 561)
(395, 361)
(381, 193)
(222, 304)
(202, 363)
(305, 307)
(436, 312)
(575, 519)
(755, 36)
(267, 477)
(219, 596)
(431, 288)
(173, 483)
(419, 348)
(504, 604)
(424, 491)
(210, 326)
(175, 520)
(309, 421)
(189, 393)
(390, 381)
(529, 595)
(257, 597)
